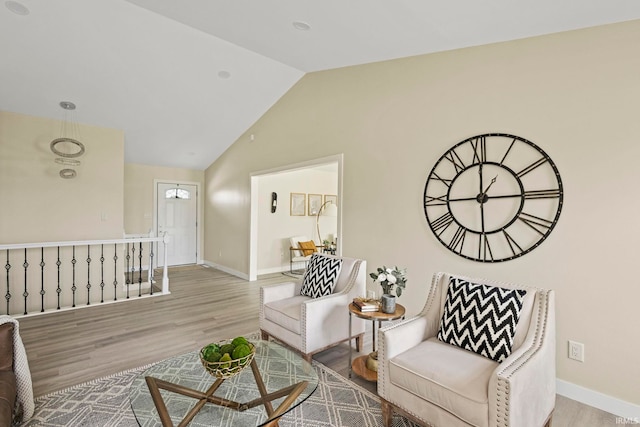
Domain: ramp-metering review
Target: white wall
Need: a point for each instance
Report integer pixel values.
(274, 230)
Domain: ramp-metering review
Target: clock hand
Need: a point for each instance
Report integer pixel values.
(463, 199)
(490, 184)
(480, 172)
(505, 196)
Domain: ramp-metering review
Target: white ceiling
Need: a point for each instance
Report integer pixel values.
(152, 67)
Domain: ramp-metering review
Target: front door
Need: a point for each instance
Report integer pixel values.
(177, 212)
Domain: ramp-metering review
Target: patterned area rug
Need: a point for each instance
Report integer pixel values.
(105, 403)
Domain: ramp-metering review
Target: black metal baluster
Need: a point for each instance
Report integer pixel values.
(42, 264)
(58, 289)
(88, 274)
(140, 271)
(126, 270)
(73, 287)
(102, 273)
(115, 272)
(133, 267)
(151, 275)
(8, 294)
(25, 294)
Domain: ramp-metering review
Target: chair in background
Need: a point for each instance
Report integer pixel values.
(311, 315)
(425, 374)
(300, 251)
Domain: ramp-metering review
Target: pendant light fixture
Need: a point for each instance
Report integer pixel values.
(67, 147)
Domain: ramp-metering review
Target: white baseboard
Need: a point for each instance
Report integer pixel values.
(226, 269)
(621, 408)
(272, 270)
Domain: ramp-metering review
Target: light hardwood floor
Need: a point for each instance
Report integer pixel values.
(205, 305)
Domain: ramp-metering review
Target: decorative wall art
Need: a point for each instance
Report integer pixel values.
(298, 204)
(315, 202)
(331, 198)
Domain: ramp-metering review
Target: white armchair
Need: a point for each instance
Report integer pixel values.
(439, 384)
(308, 324)
(297, 252)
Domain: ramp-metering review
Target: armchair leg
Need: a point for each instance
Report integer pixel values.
(359, 342)
(387, 413)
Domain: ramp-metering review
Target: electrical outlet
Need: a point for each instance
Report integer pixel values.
(576, 351)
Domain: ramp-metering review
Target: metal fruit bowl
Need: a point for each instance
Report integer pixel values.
(227, 369)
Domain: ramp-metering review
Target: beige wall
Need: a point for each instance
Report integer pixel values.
(38, 205)
(575, 94)
(139, 191)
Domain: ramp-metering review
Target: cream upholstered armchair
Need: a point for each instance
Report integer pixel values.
(311, 315)
(426, 374)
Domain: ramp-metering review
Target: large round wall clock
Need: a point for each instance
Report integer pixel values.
(493, 197)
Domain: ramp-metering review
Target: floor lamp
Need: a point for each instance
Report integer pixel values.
(328, 208)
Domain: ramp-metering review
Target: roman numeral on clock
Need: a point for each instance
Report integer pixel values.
(479, 149)
(457, 162)
(540, 225)
(442, 223)
(484, 248)
(532, 166)
(457, 241)
(511, 243)
(542, 194)
(445, 181)
(435, 201)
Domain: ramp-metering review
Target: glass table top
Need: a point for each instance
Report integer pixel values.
(279, 368)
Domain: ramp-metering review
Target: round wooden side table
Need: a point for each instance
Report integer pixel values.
(359, 364)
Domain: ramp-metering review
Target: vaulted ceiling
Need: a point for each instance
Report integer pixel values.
(184, 79)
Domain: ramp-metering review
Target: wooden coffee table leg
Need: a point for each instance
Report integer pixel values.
(159, 402)
(288, 402)
(292, 392)
(155, 385)
(261, 386)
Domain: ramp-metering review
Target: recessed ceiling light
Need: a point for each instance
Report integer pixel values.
(302, 26)
(17, 8)
(224, 74)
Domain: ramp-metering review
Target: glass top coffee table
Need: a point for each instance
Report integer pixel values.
(179, 391)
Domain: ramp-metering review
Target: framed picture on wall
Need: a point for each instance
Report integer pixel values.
(315, 202)
(331, 198)
(298, 204)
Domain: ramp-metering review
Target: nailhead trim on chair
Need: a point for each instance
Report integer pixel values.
(350, 283)
(503, 385)
(540, 329)
(427, 305)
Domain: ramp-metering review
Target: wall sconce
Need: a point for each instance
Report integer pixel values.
(274, 202)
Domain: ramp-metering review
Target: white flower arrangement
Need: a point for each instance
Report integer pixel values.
(390, 277)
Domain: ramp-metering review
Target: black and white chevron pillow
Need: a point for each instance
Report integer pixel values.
(320, 276)
(481, 318)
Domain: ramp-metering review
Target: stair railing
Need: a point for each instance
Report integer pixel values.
(52, 276)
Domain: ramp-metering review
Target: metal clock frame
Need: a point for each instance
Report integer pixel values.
(478, 143)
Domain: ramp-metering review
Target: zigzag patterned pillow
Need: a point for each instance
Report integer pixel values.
(320, 276)
(481, 318)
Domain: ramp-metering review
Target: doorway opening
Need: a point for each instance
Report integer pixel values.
(263, 220)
